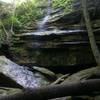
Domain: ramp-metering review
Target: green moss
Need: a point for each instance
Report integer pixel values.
(8, 91)
(2, 37)
(67, 4)
(18, 50)
(2, 62)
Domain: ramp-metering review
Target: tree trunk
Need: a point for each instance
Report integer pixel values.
(94, 47)
(54, 91)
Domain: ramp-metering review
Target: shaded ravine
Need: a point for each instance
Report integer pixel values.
(20, 73)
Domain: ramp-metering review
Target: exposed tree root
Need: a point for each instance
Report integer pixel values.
(83, 75)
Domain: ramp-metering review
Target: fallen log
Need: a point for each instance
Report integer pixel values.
(49, 92)
(82, 75)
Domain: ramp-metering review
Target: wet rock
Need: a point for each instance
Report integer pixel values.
(55, 48)
(45, 71)
(21, 75)
(4, 91)
(5, 81)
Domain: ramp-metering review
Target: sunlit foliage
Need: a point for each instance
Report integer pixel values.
(18, 15)
(66, 4)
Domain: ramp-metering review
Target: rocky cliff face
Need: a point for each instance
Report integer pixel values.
(64, 43)
(65, 49)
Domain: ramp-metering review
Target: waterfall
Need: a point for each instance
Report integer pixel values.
(46, 18)
(49, 8)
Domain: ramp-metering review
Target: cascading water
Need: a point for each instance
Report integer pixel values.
(46, 18)
(49, 7)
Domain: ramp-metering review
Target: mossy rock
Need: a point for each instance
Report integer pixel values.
(4, 91)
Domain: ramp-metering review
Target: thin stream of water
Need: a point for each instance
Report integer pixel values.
(41, 26)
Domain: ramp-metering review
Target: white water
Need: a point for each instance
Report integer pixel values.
(21, 74)
(49, 9)
(56, 32)
(41, 25)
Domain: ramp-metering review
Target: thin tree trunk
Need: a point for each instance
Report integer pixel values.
(13, 15)
(91, 36)
(6, 33)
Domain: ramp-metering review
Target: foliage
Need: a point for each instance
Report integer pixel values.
(4, 21)
(28, 11)
(33, 10)
(66, 4)
(2, 37)
(17, 16)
